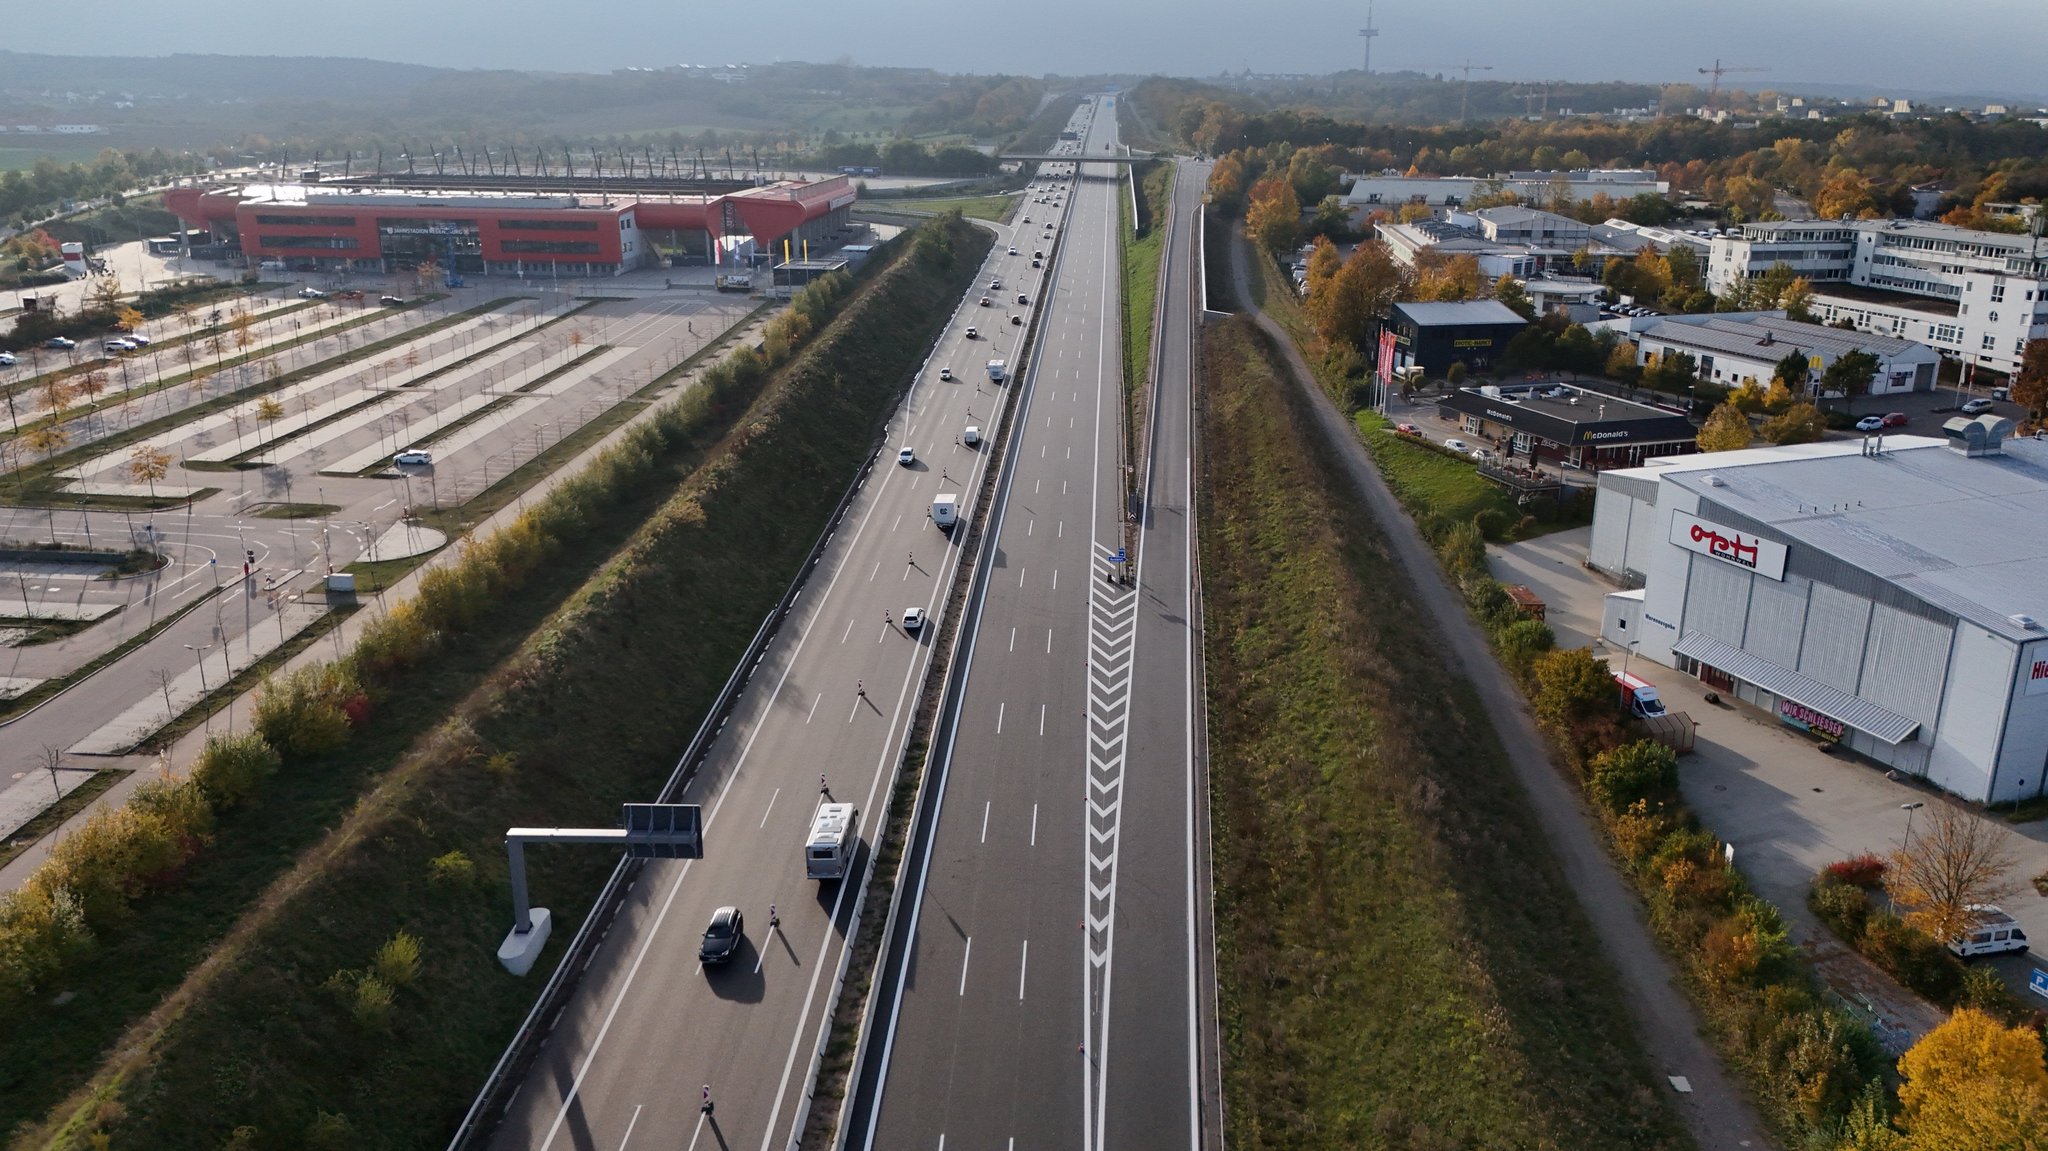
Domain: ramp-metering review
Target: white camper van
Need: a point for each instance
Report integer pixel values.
(835, 835)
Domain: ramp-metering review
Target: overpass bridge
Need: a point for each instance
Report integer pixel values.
(1080, 157)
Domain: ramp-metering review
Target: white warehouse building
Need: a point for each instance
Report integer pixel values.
(1888, 595)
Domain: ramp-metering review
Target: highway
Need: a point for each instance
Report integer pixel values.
(648, 1029)
(1045, 989)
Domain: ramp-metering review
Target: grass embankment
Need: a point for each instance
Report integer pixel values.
(1141, 255)
(997, 208)
(1401, 964)
(1429, 479)
(520, 717)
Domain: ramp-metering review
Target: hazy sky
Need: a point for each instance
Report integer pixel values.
(1969, 45)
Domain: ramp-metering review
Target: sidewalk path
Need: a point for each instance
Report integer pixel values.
(1716, 1110)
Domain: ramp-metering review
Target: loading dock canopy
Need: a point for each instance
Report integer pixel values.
(1852, 711)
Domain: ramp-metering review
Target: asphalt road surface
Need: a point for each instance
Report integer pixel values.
(1046, 994)
(649, 1029)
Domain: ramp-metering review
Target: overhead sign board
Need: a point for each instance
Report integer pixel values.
(1730, 546)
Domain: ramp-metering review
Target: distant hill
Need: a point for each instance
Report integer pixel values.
(186, 75)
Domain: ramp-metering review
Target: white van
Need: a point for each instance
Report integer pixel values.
(971, 437)
(1995, 933)
(835, 836)
(946, 511)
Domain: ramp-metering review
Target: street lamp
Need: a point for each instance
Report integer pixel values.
(1627, 655)
(1909, 809)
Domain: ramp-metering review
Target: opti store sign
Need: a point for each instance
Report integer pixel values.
(1743, 549)
(1806, 719)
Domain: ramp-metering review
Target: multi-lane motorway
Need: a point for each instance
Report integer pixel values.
(1044, 990)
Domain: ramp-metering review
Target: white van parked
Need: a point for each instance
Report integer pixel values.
(1995, 933)
(835, 835)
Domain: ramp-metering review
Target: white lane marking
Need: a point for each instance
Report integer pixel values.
(1023, 965)
(876, 572)
(1000, 709)
(897, 524)
(986, 805)
(1048, 641)
(1034, 825)
(1030, 528)
(1013, 639)
(630, 1124)
(964, 957)
(1063, 529)
(769, 808)
(1055, 579)
(1020, 576)
(849, 629)
(1041, 731)
(814, 707)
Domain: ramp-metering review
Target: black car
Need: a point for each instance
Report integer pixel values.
(392, 301)
(723, 936)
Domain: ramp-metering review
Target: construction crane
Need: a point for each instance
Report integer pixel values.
(1465, 93)
(1717, 71)
(1528, 96)
(1370, 33)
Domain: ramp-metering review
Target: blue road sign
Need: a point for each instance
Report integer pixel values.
(2038, 982)
(1118, 557)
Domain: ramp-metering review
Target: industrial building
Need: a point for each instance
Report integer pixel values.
(1433, 336)
(1391, 189)
(1505, 241)
(339, 227)
(1566, 425)
(1886, 596)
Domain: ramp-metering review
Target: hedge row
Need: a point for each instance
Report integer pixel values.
(1841, 897)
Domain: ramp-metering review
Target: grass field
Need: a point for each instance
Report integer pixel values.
(1141, 267)
(1429, 480)
(513, 721)
(1401, 964)
(996, 208)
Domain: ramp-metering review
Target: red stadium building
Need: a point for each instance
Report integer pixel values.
(325, 227)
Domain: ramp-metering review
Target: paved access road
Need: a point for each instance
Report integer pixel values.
(1043, 992)
(649, 1028)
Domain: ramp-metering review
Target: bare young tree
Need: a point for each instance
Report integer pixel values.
(1955, 860)
(53, 760)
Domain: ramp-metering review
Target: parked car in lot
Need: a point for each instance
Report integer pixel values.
(1977, 406)
(722, 936)
(1457, 445)
(1870, 424)
(1894, 419)
(413, 457)
(1407, 430)
(1995, 933)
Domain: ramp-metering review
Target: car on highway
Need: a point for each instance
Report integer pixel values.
(312, 294)
(913, 618)
(1976, 407)
(1017, 320)
(973, 333)
(945, 373)
(1021, 299)
(1870, 424)
(987, 303)
(1027, 219)
(1037, 254)
(414, 457)
(1038, 263)
(906, 456)
(60, 343)
(722, 936)
(1457, 445)
(1013, 249)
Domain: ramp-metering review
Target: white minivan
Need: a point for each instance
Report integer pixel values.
(1995, 933)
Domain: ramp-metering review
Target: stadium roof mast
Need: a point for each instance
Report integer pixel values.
(1370, 34)
(1717, 71)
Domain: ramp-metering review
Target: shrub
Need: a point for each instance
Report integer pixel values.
(330, 1132)
(1913, 957)
(1844, 907)
(42, 927)
(1866, 871)
(305, 713)
(1570, 684)
(398, 961)
(454, 867)
(1644, 769)
(232, 767)
(1522, 641)
(113, 857)
(370, 1004)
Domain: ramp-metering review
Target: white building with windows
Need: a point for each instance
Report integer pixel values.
(1391, 189)
(1734, 347)
(1885, 595)
(1977, 296)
